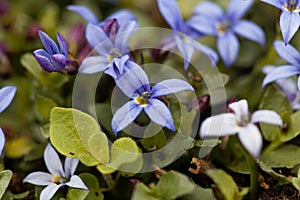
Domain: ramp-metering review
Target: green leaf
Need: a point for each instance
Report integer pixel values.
(285, 156)
(76, 134)
(123, 151)
(273, 99)
(154, 142)
(293, 128)
(5, 177)
(94, 192)
(44, 106)
(173, 185)
(226, 184)
(141, 191)
(10, 196)
(53, 79)
(296, 183)
(200, 193)
(104, 115)
(281, 178)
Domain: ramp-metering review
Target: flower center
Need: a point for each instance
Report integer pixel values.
(292, 6)
(223, 27)
(114, 53)
(243, 121)
(57, 179)
(143, 99)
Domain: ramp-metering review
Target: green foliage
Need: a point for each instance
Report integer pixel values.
(5, 177)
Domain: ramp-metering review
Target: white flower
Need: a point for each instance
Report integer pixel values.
(239, 122)
(58, 176)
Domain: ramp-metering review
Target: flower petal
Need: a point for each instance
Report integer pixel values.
(170, 86)
(279, 73)
(62, 44)
(59, 61)
(160, 114)
(70, 166)
(287, 52)
(185, 47)
(93, 64)
(6, 96)
(2, 141)
(209, 9)
(43, 59)
(171, 13)
(228, 47)
(240, 108)
(266, 116)
(119, 63)
(236, 9)
(123, 16)
(98, 39)
(210, 53)
(250, 31)
(125, 115)
(52, 161)
(48, 43)
(298, 83)
(123, 35)
(289, 24)
(76, 182)
(251, 139)
(219, 125)
(49, 191)
(86, 13)
(134, 81)
(276, 3)
(201, 24)
(38, 178)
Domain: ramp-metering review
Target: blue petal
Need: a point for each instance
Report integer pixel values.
(6, 96)
(287, 52)
(171, 13)
(279, 73)
(43, 59)
(62, 44)
(250, 31)
(49, 191)
(160, 114)
(212, 55)
(123, 16)
(201, 24)
(2, 141)
(53, 162)
(86, 13)
(289, 24)
(185, 47)
(135, 81)
(48, 43)
(228, 46)
(125, 115)
(276, 3)
(170, 86)
(298, 83)
(93, 64)
(210, 10)
(98, 39)
(237, 8)
(119, 63)
(124, 33)
(59, 61)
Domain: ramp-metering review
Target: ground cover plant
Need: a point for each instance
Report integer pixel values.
(152, 99)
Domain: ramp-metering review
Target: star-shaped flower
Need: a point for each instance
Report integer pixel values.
(135, 84)
(58, 175)
(240, 122)
(184, 33)
(291, 55)
(6, 96)
(289, 19)
(210, 19)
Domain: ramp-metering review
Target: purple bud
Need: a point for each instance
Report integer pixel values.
(110, 27)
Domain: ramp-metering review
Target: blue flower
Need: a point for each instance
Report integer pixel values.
(210, 19)
(58, 175)
(135, 84)
(239, 122)
(6, 96)
(53, 59)
(171, 13)
(289, 19)
(291, 55)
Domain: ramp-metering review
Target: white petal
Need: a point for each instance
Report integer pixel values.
(219, 125)
(266, 116)
(76, 182)
(251, 139)
(52, 161)
(38, 178)
(70, 166)
(240, 108)
(49, 191)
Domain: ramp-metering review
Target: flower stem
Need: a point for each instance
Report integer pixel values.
(253, 172)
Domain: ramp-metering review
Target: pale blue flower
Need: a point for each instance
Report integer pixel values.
(289, 20)
(6, 96)
(240, 122)
(58, 176)
(210, 19)
(135, 84)
(291, 55)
